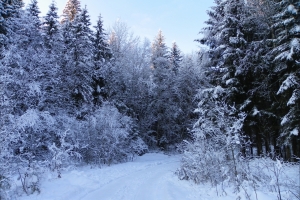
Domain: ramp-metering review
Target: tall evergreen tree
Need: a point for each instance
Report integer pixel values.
(3, 38)
(102, 55)
(78, 59)
(54, 46)
(11, 8)
(185, 85)
(233, 48)
(71, 9)
(51, 23)
(212, 38)
(235, 53)
(24, 58)
(160, 53)
(163, 106)
(34, 11)
(102, 52)
(8, 10)
(258, 80)
(175, 57)
(25, 68)
(2, 17)
(287, 69)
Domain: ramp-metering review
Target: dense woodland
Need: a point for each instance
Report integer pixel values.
(76, 94)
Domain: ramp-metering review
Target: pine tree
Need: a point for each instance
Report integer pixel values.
(286, 62)
(102, 51)
(162, 105)
(2, 19)
(54, 46)
(83, 47)
(258, 81)
(8, 10)
(160, 53)
(235, 53)
(102, 55)
(23, 61)
(51, 23)
(175, 57)
(33, 9)
(78, 58)
(234, 44)
(3, 28)
(25, 70)
(184, 86)
(212, 38)
(11, 7)
(70, 11)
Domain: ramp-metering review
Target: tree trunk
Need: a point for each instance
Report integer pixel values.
(258, 144)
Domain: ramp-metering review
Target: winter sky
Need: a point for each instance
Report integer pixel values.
(179, 20)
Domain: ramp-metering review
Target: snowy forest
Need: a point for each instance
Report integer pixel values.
(73, 94)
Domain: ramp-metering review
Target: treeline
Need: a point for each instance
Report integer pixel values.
(73, 94)
(254, 57)
(249, 104)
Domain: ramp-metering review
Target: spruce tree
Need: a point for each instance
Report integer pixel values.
(8, 11)
(102, 56)
(34, 11)
(236, 65)
(213, 39)
(287, 70)
(3, 28)
(71, 9)
(54, 46)
(258, 80)
(160, 52)
(185, 85)
(78, 59)
(227, 39)
(102, 51)
(51, 23)
(27, 73)
(163, 107)
(2, 18)
(175, 57)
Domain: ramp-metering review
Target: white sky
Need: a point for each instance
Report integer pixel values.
(179, 20)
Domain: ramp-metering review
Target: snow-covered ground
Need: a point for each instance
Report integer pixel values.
(150, 177)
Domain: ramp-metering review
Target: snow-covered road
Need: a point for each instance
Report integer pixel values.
(155, 180)
(150, 177)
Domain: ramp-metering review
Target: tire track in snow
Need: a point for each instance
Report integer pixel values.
(151, 182)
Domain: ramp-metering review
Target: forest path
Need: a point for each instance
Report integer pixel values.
(153, 181)
(148, 177)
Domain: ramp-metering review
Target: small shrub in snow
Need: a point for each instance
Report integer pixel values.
(62, 153)
(214, 155)
(278, 179)
(109, 137)
(29, 177)
(4, 187)
(5, 164)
